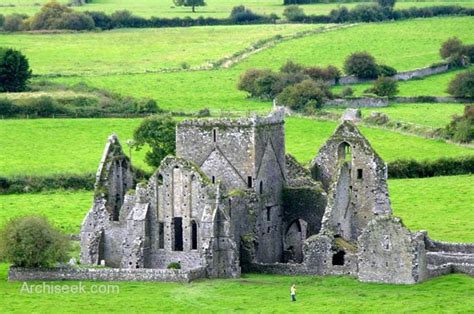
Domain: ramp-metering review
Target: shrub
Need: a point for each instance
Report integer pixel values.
(450, 47)
(325, 74)
(340, 15)
(294, 13)
(385, 70)
(157, 132)
(291, 67)
(125, 18)
(32, 241)
(268, 85)
(386, 3)
(385, 86)
(347, 92)
(468, 51)
(13, 23)
(462, 85)
(7, 108)
(15, 71)
(2, 20)
(74, 21)
(461, 128)
(248, 78)
(362, 65)
(101, 20)
(205, 112)
(241, 14)
(304, 95)
(367, 13)
(431, 168)
(174, 265)
(147, 106)
(44, 106)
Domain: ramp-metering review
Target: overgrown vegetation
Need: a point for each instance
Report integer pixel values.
(363, 65)
(462, 85)
(409, 168)
(32, 241)
(461, 128)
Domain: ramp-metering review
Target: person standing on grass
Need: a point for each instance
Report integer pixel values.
(293, 293)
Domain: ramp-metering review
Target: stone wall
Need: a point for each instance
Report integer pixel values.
(105, 274)
(360, 102)
(431, 99)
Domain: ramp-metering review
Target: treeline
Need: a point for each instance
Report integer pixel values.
(54, 16)
(95, 103)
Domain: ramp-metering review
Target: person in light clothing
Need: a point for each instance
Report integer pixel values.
(293, 293)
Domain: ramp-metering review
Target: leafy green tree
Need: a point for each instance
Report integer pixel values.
(362, 65)
(158, 133)
(32, 241)
(450, 47)
(14, 71)
(190, 3)
(462, 85)
(305, 95)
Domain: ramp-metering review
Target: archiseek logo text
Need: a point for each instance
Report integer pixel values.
(79, 288)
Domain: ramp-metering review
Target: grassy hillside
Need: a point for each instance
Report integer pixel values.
(214, 8)
(138, 50)
(404, 45)
(47, 146)
(431, 115)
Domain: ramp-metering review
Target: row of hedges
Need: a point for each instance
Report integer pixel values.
(400, 169)
(57, 16)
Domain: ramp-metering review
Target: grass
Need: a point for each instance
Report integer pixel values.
(64, 209)
(435, 85)
(431, 115)
(47, 146)
(138, 50)
(214, 8)
(441, 205)
(405, 45)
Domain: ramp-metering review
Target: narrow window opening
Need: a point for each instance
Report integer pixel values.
(161, 235)
(193, 235)
(261, 187)
(178, 233)
(230, 208)
(359, 174)
(160, 179)
(269, 214)
(213, 179)
(249, 182)
(117, 205)
(338, 258)
(214, 135)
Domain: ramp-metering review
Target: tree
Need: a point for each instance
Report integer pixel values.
(385, 86)
(386, 3)
(305, 95)
(13, 23)
(32, 241)
(157, 132)
(14, 71)
(450, 47)
(190, 3)
(294, 13)
(362, 65)
(462, 85)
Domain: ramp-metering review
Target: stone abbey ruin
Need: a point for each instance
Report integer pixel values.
(231, 200)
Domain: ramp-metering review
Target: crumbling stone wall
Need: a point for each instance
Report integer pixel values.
(389, 252)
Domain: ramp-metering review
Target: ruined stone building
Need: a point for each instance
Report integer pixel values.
(231, 200)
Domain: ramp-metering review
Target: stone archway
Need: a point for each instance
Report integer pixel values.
(295, 235)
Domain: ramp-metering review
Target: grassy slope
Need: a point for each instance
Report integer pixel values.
(432, 115)
(214, 8)
(65, 209)
(137, 50)
(404, 45)
(48, 146)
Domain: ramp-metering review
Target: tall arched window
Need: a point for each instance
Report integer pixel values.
(344, 152)
(194, 235)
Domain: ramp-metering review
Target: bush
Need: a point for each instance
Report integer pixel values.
(291, 67)
(450, 47)
(174, 265)
(367, 13)
(385, 70)
(386, 3)
(205, 112)
(324, 74)
(385, 86)
(294, 13)
(158, 133)
(305, 95)
(248, 78)
(7, 108)
(147, 106)
(461, 128)
(15, 71)
(347, 92)
(362, 65)
(32, 241)
(431, 168)
(13, 23)
(101, 20)
(44, 106)
(75, 21)
(32, 184)
(241, 14)
(462, 85)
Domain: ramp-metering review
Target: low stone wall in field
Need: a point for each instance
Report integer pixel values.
(359, 102)
(432, 99)
(104, 274)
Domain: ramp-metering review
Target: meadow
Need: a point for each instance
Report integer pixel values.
(214, 8)
(48, 146)
(430, 115)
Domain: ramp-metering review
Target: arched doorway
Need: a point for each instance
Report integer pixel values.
(295, 235)
(344, 152)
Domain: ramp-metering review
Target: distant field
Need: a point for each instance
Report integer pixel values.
(214, 8)
(431, 115)
(138, 50)
(47, 146)
(404, 45)
(442, 205)
(435, 85)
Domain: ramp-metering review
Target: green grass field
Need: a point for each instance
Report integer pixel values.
(431, 115)
(138, 50)
(47, 146)
(250, 294)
